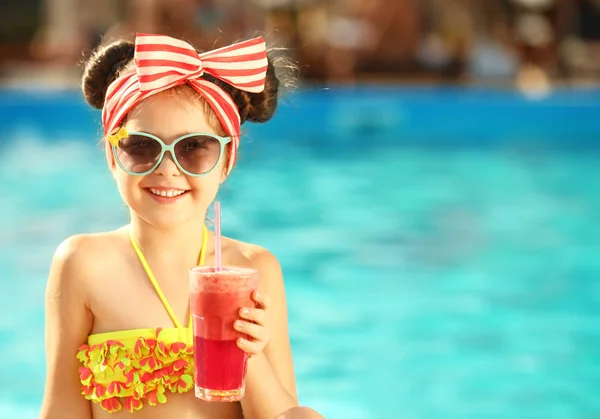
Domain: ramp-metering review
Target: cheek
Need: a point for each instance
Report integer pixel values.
(206, 187)
(126, 184)
(207, 182)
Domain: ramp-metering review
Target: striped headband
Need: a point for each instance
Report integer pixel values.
(162, 62)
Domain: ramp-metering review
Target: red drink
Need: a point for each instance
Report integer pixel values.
(216, 298)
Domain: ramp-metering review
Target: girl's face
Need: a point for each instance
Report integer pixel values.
(167, 197)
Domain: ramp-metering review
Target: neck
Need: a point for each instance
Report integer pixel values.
(181, 243)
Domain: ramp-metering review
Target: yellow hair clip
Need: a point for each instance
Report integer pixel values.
(118, 136)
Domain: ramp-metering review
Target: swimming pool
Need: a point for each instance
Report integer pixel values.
(440, 246)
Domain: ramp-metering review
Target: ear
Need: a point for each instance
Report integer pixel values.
(110, 158)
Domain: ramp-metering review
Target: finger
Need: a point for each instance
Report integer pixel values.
(254, 331)
(251, 348)
(253, 314)
(261, 299)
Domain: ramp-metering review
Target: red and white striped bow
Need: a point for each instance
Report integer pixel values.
(162, 62)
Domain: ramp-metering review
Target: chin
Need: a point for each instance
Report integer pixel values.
(165, 220)
(166, 213)
(164, 217)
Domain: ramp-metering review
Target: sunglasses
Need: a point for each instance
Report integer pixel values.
(140, 153)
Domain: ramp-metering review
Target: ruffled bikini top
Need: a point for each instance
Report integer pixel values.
(131, 367)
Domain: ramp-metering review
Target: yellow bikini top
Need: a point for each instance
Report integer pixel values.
(130, 367)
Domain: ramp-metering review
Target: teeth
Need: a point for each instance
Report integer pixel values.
(167, 192)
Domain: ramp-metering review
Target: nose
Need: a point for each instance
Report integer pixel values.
(167, 166)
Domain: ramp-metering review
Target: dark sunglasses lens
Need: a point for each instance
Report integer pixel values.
(138, 153)
(198, 154)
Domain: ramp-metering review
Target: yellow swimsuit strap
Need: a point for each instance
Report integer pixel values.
(162, 297)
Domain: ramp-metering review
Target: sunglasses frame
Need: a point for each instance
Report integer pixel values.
(223, 141)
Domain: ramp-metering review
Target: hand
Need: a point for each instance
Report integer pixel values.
(256, 325)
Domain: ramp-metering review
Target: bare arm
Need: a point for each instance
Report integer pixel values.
(68, 323)
(270, 382)
(300, 413)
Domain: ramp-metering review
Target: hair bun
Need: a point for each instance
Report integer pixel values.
(257, 107)
(102, 68)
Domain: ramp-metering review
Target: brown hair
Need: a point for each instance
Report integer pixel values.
(107, 62)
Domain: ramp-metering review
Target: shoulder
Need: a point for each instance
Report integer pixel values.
(79, 256)
(87, 248)
(256, 257)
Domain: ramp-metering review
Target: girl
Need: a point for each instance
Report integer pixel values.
(117, 302)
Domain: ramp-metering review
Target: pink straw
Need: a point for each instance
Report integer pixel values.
(217, 210)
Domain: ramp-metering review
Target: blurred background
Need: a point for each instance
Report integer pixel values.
(530, 42)
(430, 187)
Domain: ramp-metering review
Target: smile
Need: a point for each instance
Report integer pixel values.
(169, 193)
(166, 195)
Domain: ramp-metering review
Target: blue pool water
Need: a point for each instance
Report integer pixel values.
(440, 247)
